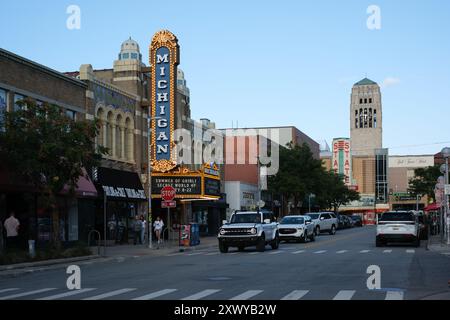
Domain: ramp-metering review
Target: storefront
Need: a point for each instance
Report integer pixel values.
(125, 199)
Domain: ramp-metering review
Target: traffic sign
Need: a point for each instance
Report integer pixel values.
(168, 193)
(168, 204)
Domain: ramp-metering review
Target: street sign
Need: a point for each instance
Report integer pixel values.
(168, 204)
(447, 189)
(168, 193)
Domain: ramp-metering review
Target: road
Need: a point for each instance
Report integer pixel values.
(333, 267)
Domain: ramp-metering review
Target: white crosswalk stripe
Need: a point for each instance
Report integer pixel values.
(344, 295)
(175, 254)
(233, 253)
(320, 251)
(194, 254)
(410, 251)
(295, 295)
(8, 290)
(299, 251)
(275, 252)
(211, 254)
(341, 251)
(394, 295)
(110, 294)
(201, 294)
(28, 293)
(247, 295)
(156, 294)
(387, 251)
(364, 251)
(253, 253)
(66, 294)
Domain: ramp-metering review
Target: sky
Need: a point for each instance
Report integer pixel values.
(268, 63)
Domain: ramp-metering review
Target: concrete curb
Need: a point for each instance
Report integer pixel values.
(46, 263)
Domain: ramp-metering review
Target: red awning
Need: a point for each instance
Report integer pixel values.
(432, 207)
(85, 187)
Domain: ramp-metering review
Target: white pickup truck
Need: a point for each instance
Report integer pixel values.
(249, 228)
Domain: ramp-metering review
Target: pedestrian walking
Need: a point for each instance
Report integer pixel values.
(137, 230)
(144, 223)
(158, 226)
(12, 225)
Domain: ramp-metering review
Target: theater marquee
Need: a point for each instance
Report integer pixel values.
(164, 59)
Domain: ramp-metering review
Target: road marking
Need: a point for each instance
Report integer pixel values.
(394, 295)
(247, 295)
(175, 254)
(275, 252)
(364, 251)
(299, 251)
(344, 295)
(342, 251)
(66, 294)
(194, 254)
(110, 294)
(387, 251)
(9, 289)
(156, 294)
(211, 254)
(410, 251)
(28, 293)
(233, 253)
(201, 294)
(320, 251)
(253, 253)
(295, 295)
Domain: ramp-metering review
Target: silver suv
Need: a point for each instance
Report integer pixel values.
(324, 222)
(249, 228)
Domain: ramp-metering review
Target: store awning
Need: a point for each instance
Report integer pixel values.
(119, 184)
(85, 187)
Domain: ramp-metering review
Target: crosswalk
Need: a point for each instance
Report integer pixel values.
(294, 252)
(208, 294)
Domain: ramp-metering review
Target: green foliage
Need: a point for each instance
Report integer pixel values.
(424, 181)
(300, 174)
(44, 147)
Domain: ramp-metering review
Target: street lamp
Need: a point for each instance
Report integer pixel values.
(446, 154)
(149, 180)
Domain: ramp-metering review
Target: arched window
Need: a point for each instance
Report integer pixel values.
(374, 118)
(365, 117)
(129, 139)
(99, 140)
(356, 119)
(361, 118)
(370, 117)
(119, 137)
(109, 133)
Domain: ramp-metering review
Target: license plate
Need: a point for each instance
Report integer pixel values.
(395, 229)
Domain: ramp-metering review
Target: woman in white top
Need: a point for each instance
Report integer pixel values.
(157, 226)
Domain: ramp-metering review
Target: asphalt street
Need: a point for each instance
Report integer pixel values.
(332, 267)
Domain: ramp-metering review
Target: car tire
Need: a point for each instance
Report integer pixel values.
(223, 247)
(304, 237)
(313, 237)
(275, 242)
(261, 245)
(333, 230)
(379, 243)
(317, 231)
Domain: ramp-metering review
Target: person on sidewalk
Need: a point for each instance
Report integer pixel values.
(158, 226)
(12, 225)
(144, 223)
(137, 230)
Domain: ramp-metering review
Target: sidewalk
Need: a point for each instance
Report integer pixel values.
(435, 245)
(119, 252)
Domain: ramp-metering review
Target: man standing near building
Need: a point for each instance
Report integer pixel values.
(12, 231)
(137, 230)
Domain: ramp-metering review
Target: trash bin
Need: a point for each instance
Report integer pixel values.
(195, 234)
(185, 236)
(32, 248)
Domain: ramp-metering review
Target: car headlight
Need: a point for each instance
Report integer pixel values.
(222, 231)
(253, 231)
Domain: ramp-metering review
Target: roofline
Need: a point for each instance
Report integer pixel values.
(271, 127)
(40, 67)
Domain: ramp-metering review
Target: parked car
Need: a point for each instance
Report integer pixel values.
(249, 228)
(324, 222)
(398, 226)
(298, 228)
(357, 220)
(341, 222)
(349, 222)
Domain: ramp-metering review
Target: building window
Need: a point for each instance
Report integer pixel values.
(71, 114)
(134, 56)
(374, 118)
(360, 101)
(356, 119)
(365, 117)
(370, 117)
(365, 100)
(370, 100)
(125, 55)
(17, 98)
(2, 108)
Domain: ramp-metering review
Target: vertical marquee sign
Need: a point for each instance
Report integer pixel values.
(164, 59)
(342, 160)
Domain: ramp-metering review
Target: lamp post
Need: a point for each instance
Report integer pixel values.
(149, 179)
(446, 154)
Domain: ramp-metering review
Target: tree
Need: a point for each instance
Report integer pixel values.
(46, 148)
(334, 193)
(424, 181)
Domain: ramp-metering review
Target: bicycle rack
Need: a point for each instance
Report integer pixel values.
(99, 238)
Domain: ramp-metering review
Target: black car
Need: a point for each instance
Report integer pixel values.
(357, 221)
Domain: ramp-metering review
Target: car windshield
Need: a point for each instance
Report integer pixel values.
(246, 218)
(314, 215)
(397, 216)
(292, 220)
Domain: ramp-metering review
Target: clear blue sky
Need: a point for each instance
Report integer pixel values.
(268, 63)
